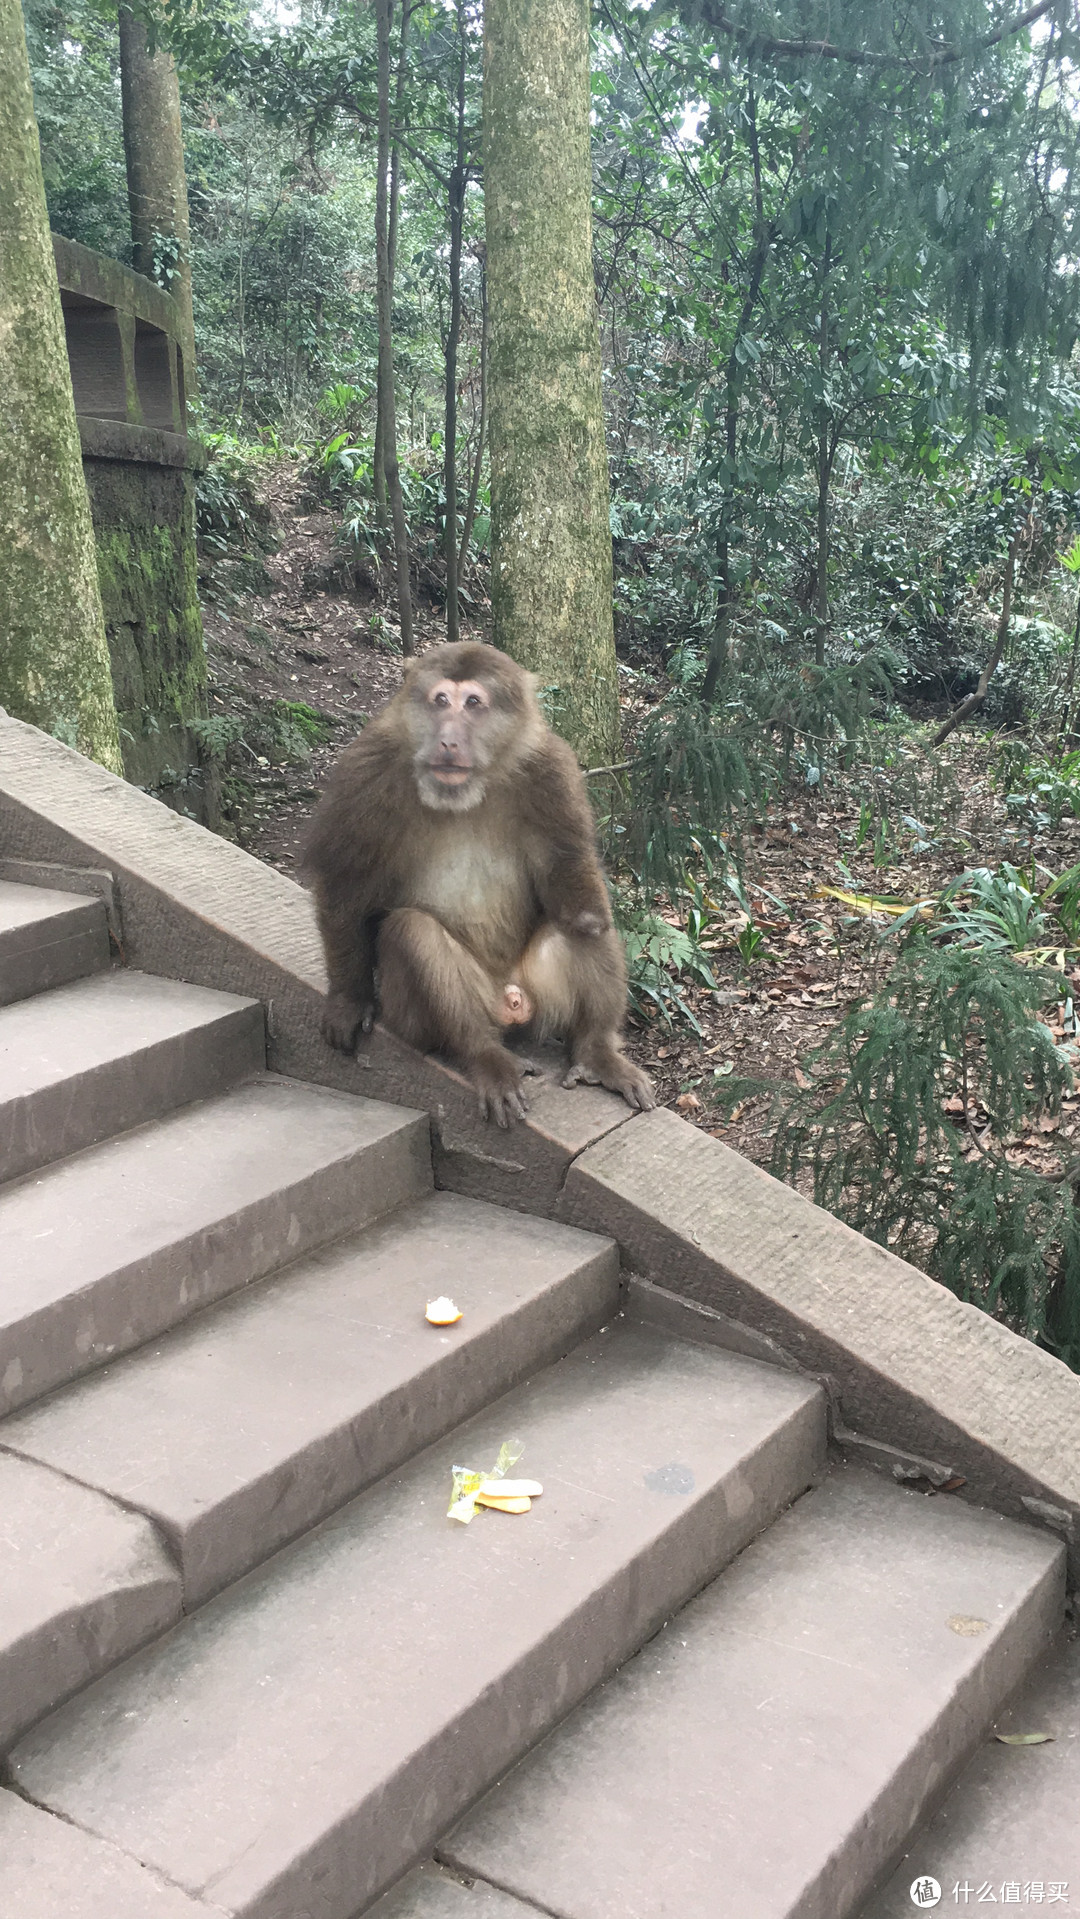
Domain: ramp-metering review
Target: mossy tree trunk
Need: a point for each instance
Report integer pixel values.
(551, 537)
(54, 659)
(157, 186)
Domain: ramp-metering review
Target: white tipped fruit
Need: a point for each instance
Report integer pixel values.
(504, 1505)
(442, 1312)
(512, 1488)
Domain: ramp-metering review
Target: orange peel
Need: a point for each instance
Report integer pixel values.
(442, 1312)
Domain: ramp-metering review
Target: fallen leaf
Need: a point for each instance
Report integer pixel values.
(1025, 1738)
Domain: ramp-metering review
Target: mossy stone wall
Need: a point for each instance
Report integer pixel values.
(144, 529)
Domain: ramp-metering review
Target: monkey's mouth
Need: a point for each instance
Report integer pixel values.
(451, 775)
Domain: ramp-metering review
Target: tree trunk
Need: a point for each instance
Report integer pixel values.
(453, 335)
(551, 529)
(382, 507)
(386, 397)
(154, 152)
(481, 432)
(721, 636)
(976, 699)
(824, 473)
(54, 657)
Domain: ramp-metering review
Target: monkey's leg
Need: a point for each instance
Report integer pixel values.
(579, 985)
(436, 995)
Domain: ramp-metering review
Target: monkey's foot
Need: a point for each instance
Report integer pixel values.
(616, 1072)
(343, 1019)
(517, 1008)
(497, 1079)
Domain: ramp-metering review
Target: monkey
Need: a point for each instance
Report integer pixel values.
(458, 886)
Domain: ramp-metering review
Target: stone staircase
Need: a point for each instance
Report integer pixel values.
(247, 1665)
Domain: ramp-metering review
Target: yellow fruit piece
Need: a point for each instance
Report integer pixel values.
(512, 1488)
(504, 1505)
(442, 1312)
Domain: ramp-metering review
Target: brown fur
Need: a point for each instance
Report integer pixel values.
(453, 853)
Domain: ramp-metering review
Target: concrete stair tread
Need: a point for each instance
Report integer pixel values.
(430, 1891)
(1013, 1817)
(47, 938)
(82, 1584)
(252, 1422)
(50, 1870)
(784, 1732)
(112, 1246)
(104, 1054)
(321, 1722)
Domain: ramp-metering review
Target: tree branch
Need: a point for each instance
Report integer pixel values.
(942, 56)
(975, 700)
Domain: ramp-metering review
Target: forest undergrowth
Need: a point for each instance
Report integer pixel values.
(752, 981)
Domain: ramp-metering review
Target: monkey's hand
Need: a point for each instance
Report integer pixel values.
(343, 1019)
(497, 1078)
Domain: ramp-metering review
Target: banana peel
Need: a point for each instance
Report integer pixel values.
(471, 1489)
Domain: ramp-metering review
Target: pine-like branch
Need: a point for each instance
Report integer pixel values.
(940, 56)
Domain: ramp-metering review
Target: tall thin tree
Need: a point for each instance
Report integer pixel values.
(386, 398)
(457, 219)
(551, 525)
(54, 657)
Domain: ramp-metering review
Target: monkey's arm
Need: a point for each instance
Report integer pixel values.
(348, 935)
(567, 874)
(346, 860)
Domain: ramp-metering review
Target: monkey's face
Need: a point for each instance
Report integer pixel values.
(458, 730)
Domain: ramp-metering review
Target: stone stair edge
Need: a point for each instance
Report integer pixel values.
(621, 1558)
(866, 1621)
(65, 937)
(1012, 1812)
(196, 907)
(100, 1055)
(945, 1397)
(84, 1582)
(904, 1361)
(52, 1870)
(355, 1167)
(530, 1291)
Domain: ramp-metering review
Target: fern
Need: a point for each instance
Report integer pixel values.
(691, 782)
(886, 1133)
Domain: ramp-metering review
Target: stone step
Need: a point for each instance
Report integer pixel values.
(293, 1746)
(255, 1420)
(48, 1870)
(431, 1891)
(1009, 1832)
(771, 1749)
(82, 1584)
(108, 1053)
(48, 938)
(109, 1248)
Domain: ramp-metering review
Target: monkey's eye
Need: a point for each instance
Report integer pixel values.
(474, 700)
(441, 699)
